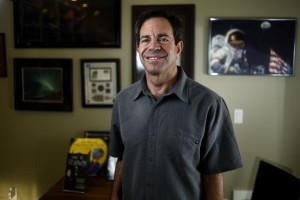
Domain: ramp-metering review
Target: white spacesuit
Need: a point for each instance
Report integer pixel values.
(229, 56)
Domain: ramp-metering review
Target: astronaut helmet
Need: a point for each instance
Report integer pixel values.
(235, 38)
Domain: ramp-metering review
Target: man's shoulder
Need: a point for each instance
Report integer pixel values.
(198, 89)
(130, 91)
(194, 85)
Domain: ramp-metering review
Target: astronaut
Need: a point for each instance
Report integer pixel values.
(229, 56)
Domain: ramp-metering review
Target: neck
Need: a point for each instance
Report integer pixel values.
(159, 86)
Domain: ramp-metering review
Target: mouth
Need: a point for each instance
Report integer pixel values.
(154, 57)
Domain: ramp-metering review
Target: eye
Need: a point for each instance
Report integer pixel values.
(164, 40)
(144, 40)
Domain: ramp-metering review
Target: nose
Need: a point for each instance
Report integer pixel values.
(154, 45)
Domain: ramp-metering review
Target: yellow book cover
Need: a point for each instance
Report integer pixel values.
(98, 150)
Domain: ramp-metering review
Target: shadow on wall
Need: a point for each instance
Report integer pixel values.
(290, 149)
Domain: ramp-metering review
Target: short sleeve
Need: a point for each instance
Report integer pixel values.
(116, 147)
(219, 150)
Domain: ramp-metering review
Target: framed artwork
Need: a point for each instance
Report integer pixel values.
(43, 84)
(257, 46)
(186, 13)
(3, 72)
(100, 81)
(67, 24)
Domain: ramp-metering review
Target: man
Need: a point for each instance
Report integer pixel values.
(173, 137)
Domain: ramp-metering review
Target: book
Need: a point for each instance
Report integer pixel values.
(111, 161)
(76, 173)
(97, 134)
(97, 148)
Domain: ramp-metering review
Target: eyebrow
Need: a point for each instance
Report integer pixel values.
(159, 35)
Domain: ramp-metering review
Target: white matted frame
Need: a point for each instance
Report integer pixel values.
(100, 81)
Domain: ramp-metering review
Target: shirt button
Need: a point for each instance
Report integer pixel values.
(197, 142)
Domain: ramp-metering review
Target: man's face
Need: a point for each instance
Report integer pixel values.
(157, 49)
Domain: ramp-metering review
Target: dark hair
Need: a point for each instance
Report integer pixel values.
(174, 21)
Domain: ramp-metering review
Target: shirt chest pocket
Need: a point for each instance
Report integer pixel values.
(132, 134)
(181, 144)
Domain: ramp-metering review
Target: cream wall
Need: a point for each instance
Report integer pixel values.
(33, 145)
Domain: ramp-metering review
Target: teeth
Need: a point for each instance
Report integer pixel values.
(153, 58)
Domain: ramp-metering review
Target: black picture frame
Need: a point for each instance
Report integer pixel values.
(3, 69)
(100, 81)
(43, 84)
(268, 48)
(67, 24)
(186, 13)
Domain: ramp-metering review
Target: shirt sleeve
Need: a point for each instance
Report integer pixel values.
(116, 146)
(219, 148)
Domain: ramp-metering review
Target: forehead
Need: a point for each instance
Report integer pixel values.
(156, 25)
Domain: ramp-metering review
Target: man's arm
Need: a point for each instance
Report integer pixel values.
(213, 187)
(117, 181)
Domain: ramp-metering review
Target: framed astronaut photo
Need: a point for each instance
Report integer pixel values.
(258, 46)
(100, 81)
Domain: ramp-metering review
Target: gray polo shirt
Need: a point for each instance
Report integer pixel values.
(167, 144)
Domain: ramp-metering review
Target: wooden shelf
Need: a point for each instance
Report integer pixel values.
(98, 188)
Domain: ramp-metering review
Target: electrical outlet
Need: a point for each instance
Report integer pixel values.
(12, 194)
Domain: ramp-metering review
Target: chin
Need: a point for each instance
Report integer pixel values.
(153, 70)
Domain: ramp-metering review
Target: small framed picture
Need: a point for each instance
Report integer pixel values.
(254, 46)
(2, 56)
(100, 81)
(43, 84)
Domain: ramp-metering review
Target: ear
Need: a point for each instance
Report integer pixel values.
(179, 47)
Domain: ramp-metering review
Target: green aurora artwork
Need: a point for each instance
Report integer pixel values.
(42, 85)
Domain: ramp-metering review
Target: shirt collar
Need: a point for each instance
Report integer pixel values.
(180, 89)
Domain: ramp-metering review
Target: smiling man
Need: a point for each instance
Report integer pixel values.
(158, 54)
(173, 136)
